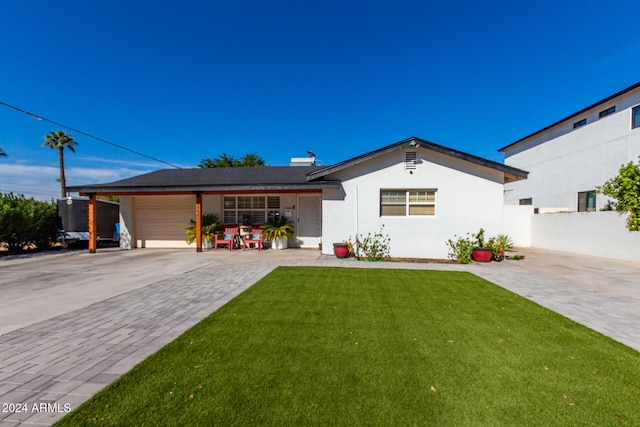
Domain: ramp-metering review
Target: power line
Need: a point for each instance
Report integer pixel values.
(37, 117)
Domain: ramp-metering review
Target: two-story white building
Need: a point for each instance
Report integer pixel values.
(566, 161)
(569, 158)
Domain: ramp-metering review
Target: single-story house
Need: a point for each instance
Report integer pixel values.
(418, 193)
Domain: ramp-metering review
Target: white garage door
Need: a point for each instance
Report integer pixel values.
(161, 221)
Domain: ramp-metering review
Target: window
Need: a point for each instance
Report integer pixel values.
(580, 123)
(587, 201)
(607, 111)
(635, 117)
(407, 202)
(526, 202)
(250, 209)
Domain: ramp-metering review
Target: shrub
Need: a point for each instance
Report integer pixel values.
(374, 247)
(461, 248)
(26, 222)
(625, 190)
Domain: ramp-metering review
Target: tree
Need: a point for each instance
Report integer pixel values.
(60, 140)
(252, 159)
(624, 189)
(226, 161)
(25, 223)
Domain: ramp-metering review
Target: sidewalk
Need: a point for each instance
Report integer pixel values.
(81, 320)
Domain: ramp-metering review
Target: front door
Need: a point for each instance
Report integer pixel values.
(309, 220)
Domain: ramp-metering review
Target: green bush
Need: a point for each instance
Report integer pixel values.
(25, 223)
(461, 248)
(624, 189)
(374, 247)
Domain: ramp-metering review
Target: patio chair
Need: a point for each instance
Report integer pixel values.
(254, 238)
(226, 239)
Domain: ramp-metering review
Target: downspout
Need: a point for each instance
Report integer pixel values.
(357, 213)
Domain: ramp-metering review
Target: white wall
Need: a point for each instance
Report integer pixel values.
(564, 161)
(517, 224)
(126, 222)
(603, 234)
(468, 197)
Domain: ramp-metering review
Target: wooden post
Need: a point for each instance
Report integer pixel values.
(93, 227)
(198, 222)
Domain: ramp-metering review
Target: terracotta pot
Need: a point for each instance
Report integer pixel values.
(482, 254)
(341, 250)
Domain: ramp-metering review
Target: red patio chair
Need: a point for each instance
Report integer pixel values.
(226, 239)
(254, 238)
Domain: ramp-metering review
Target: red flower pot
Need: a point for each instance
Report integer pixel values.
(482, 254)
(341, 250)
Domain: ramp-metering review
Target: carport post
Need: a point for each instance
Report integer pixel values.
(198, 222)
(93, 232)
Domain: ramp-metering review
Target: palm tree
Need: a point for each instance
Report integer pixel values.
(59, 139)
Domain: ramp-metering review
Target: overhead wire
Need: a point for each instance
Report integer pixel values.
(38, 117)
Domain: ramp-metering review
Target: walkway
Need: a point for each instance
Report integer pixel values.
(73, 323)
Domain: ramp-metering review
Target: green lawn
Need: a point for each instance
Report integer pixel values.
(346, 346)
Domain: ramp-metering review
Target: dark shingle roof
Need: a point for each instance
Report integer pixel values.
(213, 179)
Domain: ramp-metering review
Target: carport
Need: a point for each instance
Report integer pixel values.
(208, 190)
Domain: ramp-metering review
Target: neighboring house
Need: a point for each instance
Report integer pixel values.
(566, 161)
(421, 192)
(569, 158)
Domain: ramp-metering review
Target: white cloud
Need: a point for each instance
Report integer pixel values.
(40, 182)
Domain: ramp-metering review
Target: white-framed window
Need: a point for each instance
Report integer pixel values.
(406, 202)
(250, 209)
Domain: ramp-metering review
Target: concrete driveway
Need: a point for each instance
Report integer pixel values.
(71, 323)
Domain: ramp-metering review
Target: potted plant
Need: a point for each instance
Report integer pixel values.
(481, 253)
(277, 231)
(499, 245)
(210, 227)
(344, 249)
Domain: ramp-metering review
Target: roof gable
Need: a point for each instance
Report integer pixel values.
(511, 173)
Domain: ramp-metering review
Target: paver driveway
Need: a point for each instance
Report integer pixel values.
(73, 323)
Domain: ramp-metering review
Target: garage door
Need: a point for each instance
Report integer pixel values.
(160, 221)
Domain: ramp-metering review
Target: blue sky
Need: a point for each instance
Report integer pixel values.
(179, 81)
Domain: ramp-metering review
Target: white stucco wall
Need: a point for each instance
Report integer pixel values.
(468, 197)
(126, 222)
(517, 224)
(563, 161)
(602, 234)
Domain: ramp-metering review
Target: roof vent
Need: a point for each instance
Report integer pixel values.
(410, 160)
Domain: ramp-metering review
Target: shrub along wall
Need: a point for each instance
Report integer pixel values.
(25, 223)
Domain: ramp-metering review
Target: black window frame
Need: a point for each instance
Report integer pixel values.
(580, 123)
(606, 112)
(583, 201)
(635, 117)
